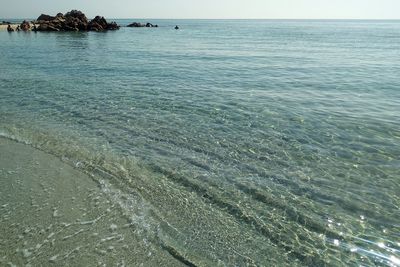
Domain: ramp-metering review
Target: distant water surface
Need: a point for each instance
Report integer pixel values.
(240, 142)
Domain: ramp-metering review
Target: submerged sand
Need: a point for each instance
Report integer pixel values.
(53, 214)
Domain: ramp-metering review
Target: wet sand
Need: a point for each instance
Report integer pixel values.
(4, 27)
(53, 214)
(14, 26)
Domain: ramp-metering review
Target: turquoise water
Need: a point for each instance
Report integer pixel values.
(249, 143)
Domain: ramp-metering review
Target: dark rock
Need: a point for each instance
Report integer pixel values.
(112, 26)
(97, 24)
(75, 20)
(53, 29)
(100, 23)
(94, 26)
(100, 20)
(48, 27)
(25, 26)
(140, 25)
(45, 17)
(76, 15)
(70, 29)
(136, 25)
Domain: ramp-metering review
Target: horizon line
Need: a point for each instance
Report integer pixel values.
(141, 18)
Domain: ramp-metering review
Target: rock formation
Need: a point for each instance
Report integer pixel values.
(139, 25)
(74, 21)
(100, 24)
(25, 26)
(45, 17)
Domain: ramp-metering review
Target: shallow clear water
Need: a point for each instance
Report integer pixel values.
(247, 142)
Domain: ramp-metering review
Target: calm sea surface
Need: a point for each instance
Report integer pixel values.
(239, 143)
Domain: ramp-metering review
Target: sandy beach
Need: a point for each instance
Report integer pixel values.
(3, 27)
(54, 214)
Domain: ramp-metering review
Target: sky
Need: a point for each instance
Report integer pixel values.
(208, 9)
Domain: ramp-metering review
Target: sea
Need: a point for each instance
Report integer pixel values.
(223, 143)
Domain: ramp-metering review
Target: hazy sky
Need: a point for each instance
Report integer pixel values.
(303, 9)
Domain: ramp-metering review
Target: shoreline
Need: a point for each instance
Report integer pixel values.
(3, 27)
(55, 214)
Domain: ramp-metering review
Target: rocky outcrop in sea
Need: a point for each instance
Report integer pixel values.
(140, 25)
(74, 20)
